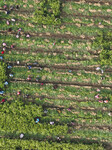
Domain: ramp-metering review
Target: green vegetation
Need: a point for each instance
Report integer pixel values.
(48, 12)
(18, 117)
(3, 76)
(60, 74)
(104, 42)
(31, 144)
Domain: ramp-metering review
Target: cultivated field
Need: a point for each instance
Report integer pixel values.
(55, 69)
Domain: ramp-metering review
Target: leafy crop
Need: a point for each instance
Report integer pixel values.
(48, 13)
(3, 75)
(20, 118)
(31, 144)
(104, 41)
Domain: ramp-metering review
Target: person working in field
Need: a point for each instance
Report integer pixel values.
(29, 67)
(9, 67)
(38, 78)
(6, 83)
(104, 100)
(12, 46)
(3, 100)
(2, 92)
(29, 78)
(18, 33)
(37, 119)
(4, 48)
(18, 92)
(5, 7)
(11, 75)
(21, 135)
(1, 58)
(51, 122)
(55, 86)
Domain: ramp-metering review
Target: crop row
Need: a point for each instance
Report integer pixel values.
(74, 109)
(61, 93)
(66, 139)
(98, 15)
(59, 72)
(62, 83)
(31, 144)
(19, 49)
(16, 108)
(42, 97)
(87, 16)
(58, 101)
(47, 104)
(50, 59)
(50, 35)
(53, 142)
(62, 75)
(52, 53)
(56, 66)
(66, 29)
(91, 1)
(67, 23)
(81, 114)
(74, 121)
(75, 10)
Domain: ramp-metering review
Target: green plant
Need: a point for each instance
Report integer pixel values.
(48, 13)
(3, 75)
(104, 41)
(31, 144)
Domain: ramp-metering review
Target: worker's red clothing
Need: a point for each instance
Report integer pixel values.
(2, 52)
(18, 93)
(3, 100)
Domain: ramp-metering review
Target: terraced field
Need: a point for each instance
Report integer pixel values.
(55, 69)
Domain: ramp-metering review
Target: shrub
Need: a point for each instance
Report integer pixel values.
(49, 12)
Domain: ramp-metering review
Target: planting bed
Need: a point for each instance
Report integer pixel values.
(56, 77)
